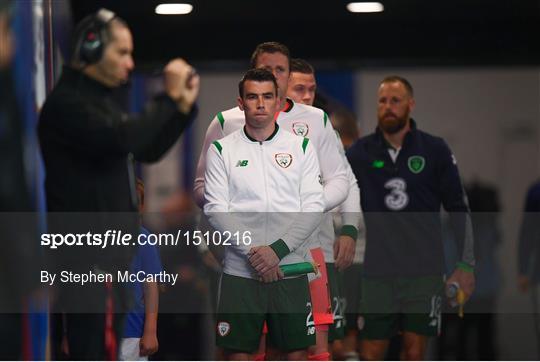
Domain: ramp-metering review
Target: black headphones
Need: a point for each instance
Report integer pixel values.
(91, 37)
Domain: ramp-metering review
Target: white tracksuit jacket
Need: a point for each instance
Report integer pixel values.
(338, 179)
(270, 188)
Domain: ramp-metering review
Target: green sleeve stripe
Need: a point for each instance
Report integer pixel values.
(218, 146)
(220, 119)
(304, 144)
(280, 248)
(465, 267)
(349, 230)
(325, 118)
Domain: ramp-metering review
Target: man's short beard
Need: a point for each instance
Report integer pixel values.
(395, 126)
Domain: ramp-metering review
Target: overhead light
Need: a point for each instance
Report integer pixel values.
(174, 9)
(365, 7)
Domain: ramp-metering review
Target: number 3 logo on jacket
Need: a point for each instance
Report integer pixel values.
(397, 199)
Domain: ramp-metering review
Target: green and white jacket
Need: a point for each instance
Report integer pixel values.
(339, 183)
(270, 189)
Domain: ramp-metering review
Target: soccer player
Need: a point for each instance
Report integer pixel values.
(405, 176)
(344, 122)
(297, 118)
(301, 89)
(306, 121)
(302, 84)
(261, 167)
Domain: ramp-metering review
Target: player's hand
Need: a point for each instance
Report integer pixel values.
(465, 280)
(273, 275)
(262, 259)
(344, 248)
(524, 283)
(148, 344)
(181, 83)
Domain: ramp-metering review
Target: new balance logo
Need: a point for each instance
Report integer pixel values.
(242, 163)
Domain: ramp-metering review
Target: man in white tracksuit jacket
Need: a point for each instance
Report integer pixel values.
(267, 181)
(339, 183)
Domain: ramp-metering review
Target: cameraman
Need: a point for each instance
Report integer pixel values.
(89, 146)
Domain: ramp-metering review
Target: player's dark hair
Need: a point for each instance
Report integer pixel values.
(269, 47)
(301, 66)
(257, 75)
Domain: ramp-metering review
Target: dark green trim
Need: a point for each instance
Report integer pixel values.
(280, 248)
(349, 230)
(220, 119)
(276, 129)
(248, 136)
(273, 133)
(218, 146)
(325, 118)
(465, 267)
(304, 144)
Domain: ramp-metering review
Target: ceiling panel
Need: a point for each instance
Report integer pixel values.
(408, 32)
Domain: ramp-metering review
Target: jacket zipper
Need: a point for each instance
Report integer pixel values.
(261, 148)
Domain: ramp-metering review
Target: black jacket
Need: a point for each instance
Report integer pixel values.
(86, 141)
(401, 202)
(89, 145)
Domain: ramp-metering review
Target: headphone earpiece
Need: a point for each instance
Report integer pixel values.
(92, 37)
(91, 49)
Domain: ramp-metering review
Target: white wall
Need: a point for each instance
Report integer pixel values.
(162, 179)
(218, 93)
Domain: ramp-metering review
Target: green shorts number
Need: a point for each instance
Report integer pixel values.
(336, 330)
(389, 305)
(244, 304)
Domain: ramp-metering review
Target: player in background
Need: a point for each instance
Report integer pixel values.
(405, 176)
(301, 89)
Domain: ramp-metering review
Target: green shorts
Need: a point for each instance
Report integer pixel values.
(336, 330)
(244, 305)
(412, 304)
(351, 281)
